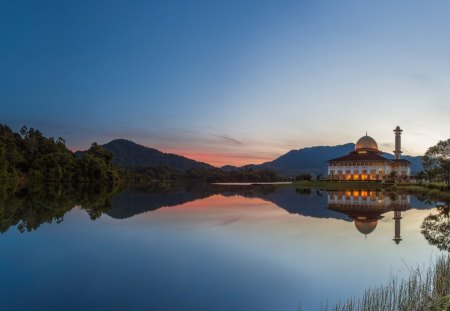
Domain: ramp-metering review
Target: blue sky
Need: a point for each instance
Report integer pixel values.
(227, 81)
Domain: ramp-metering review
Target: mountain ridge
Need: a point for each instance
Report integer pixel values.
(314, 160)
(129, 154)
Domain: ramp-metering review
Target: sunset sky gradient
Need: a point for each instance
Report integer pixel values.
(227, 82)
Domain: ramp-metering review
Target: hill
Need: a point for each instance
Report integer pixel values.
(314, 160)
(128, 154)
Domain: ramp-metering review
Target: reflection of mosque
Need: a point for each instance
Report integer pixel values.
(367, 207)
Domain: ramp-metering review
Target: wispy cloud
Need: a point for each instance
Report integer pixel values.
(229, 139)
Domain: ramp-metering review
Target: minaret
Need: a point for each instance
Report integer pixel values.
(397, 216)
(398, 142)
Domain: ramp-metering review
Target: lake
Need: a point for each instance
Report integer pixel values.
(208, 248)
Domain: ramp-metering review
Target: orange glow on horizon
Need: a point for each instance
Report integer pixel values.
(216, 159)
(219, 200)
(220, 159)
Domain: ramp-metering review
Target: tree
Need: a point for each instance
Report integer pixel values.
(305, 176)
(32, 157)
(436, 161)
(98, 151)
(393, 176)
(421, 175)
(436, 227)
(24, 131)
(61, 141)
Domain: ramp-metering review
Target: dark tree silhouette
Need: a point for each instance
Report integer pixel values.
(436, 227)
(436, 161)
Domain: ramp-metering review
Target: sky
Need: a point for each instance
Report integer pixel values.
(227, 82)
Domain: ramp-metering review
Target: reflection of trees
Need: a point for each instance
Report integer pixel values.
(436, 227)
(303, 191)
(46, 203)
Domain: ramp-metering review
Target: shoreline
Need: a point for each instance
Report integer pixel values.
(431, 190)
(251, 183)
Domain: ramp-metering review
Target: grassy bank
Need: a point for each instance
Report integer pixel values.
(432, 191)
(338, 185)
(423, 290)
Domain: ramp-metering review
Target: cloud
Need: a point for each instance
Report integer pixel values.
(228, 139)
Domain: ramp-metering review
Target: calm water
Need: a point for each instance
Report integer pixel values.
(242, 248)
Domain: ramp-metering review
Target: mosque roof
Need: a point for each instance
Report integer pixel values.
(366, 142)
(360, 157)
(366, 149)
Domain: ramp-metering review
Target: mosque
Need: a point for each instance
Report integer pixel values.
(367, 163)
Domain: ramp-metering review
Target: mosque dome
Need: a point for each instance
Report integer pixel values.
(366, 142)
(366, 226)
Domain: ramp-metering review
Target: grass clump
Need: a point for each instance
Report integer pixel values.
(427, 290)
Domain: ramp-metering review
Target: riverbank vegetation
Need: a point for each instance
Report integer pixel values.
(201, 175)
(28, 208)
(435, 191)
(436, 162)
(423, 290)
(29, 157)
(338, 185)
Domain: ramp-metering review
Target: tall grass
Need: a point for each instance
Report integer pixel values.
(424, 290)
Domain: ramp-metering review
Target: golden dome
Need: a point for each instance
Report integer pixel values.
(366, 226)
(366, 142)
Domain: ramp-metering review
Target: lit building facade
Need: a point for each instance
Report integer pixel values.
(367, 163)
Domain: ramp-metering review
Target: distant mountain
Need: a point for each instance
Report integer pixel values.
(230, 168)
(306, 160)
(314, 160)
(131, 155)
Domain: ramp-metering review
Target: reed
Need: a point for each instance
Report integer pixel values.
(423, 290)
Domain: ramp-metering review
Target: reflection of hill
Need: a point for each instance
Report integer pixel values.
(302, 203)
(420, 204)
(28, 209)
(134, 202)
(313, 204)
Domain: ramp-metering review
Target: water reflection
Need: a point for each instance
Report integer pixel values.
(199, 247)
(436, 227)
(366, 208)
(28, 209)
(132, 202)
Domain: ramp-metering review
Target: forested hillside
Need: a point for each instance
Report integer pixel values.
(29, 156)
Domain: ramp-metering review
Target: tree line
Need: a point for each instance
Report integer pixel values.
(165, 173)
(29, 157)
(436, 163)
